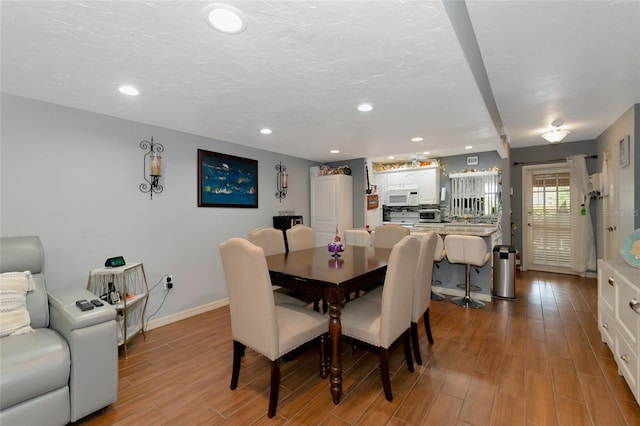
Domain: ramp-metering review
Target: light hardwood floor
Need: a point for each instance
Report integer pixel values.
(536, 361)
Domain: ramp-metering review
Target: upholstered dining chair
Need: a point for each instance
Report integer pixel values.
(257, 322)
(421, 300)
(271, 240)
(300, 237)
(381, 324)
(357, 237)
(386, 236)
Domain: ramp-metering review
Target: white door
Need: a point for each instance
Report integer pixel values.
(610, 205)
(546, 218)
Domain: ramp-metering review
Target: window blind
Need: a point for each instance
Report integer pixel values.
(551, 219)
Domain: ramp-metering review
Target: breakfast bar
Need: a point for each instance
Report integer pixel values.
(450, 275)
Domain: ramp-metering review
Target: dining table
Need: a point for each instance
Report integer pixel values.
(318, 273)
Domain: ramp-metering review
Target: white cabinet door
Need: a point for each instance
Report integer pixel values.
(331, 205)
(402, 180)
(428, 186)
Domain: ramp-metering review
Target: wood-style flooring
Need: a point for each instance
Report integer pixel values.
(538, 360)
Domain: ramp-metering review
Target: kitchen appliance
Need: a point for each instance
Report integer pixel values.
(429, 215)
(285, 222)
(401, 197)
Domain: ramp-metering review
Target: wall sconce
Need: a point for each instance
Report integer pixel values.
(152, 184)
(282, 181)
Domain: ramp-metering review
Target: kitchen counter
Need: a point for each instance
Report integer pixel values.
(477, 229)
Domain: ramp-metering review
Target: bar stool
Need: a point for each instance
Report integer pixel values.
(470, 250)
(439, 255)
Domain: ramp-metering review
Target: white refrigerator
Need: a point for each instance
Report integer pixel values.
(331, 206)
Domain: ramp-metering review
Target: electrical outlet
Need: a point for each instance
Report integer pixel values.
(168, 282)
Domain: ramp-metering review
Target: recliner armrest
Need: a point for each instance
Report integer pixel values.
(70, 316)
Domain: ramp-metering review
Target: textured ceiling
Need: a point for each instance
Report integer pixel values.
(302, 67)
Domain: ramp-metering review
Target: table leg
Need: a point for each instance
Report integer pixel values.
(335, 340)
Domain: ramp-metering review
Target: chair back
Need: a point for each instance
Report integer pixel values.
(19, 254)
(424, 271)
(467, 249)
(357, 237)
(397, 292)
(386, 236)
(300, 237)
(440, 252)
(270, 239)
(251, 302)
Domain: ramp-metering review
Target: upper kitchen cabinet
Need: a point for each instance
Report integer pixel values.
(401, 180)
(429, 186)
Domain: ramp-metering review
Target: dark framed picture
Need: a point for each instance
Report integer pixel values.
(226, 181)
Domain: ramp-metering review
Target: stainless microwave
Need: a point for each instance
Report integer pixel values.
(429, 215)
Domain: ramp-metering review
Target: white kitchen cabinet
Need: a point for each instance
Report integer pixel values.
(402, 180)
(429, 186)
(619, 317)
(331, 206)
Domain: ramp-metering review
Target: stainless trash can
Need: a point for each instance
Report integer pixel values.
(504, 272)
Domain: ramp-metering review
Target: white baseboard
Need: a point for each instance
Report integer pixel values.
(187, 314)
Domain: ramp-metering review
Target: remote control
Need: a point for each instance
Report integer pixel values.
(96, 302)
(84, 305)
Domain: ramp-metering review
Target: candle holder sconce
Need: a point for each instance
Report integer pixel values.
(154, 160)
(282, 181)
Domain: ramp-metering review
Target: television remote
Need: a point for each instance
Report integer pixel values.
(84, 305)
(97, 303)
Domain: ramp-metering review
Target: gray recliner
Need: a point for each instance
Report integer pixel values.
(68, 367)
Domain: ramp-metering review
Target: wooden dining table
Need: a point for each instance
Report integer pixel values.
(316, 272)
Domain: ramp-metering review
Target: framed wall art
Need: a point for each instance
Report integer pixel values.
(226, 181)
(472, 161)
(623, 150)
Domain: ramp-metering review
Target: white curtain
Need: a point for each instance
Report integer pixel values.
(583, 247)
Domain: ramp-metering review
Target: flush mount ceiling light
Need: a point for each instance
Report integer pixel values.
(128, 90)
(417, 139)
(556, 135)
(266, 131)
(224, 18)
(365, 107)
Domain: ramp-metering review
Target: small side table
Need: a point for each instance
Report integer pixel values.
(130, 282)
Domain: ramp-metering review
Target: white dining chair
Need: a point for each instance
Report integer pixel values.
(257, 322)
(271, 240)
(357, 237)
(437, 258)
(386, 236)
(381, 324)
(300, 237)
(421, 300)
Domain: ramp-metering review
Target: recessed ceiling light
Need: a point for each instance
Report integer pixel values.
(365, 107)
(129, 90)
(417, 139)
(468, 147)
(226, 19)
(425, 152)
(335, 151)
(391, 157)
(266, 131)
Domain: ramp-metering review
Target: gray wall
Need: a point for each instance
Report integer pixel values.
(537, 155)
(72, 178)
(628, 177)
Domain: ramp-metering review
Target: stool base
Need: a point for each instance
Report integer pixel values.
(467, 302)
